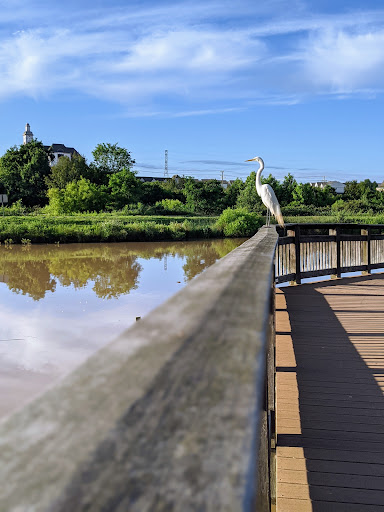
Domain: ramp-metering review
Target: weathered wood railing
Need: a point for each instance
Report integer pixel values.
(176, 414)
(310, 250)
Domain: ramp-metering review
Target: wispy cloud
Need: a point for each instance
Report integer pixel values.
(215, 57)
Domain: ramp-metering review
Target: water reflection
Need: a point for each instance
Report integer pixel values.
(112, 268)
(59, 304)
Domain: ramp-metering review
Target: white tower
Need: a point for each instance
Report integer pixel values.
(27, 135)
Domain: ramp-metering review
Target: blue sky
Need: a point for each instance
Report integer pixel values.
(299, 83)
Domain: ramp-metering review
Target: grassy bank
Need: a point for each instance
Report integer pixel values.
(104, 228)
(355, 218)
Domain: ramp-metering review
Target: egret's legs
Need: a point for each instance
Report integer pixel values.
(268, 219)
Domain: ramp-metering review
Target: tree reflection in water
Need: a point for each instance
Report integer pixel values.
(112, 268)
(60, 315)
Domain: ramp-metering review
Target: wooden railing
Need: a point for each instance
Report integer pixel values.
(310, 250)
(176, 414)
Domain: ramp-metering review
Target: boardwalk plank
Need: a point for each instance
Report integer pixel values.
(330, 404)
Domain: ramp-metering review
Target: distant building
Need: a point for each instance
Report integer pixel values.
(337, 185)
(149, 179)
(27, 135)
(57, 150)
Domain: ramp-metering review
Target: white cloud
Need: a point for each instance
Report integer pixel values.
(195, 50)
(214, 59)
(346, 61)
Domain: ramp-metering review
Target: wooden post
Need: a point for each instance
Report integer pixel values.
(297, 254)
(334, 251)
(292, 256)
(366, 256)
(338, 252)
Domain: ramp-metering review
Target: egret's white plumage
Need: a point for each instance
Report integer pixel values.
(267, 194)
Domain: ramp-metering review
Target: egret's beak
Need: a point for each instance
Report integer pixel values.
(252, 159)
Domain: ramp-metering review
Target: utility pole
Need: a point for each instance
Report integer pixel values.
(222, 176)
(166, 175)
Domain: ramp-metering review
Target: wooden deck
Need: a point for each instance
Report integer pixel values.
(330, 403)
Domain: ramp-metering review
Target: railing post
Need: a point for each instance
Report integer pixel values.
(297, 255)
(366, 256)
(335, 252)
(336, 249)
(292, 257)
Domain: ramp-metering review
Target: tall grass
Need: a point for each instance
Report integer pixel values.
(105, 228)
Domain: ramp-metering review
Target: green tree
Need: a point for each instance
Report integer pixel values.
(248, 197)
(110, 158)
(67, 170)
(23, 170)
(125, 188)
(233, 191)
(77, 196)
(287, 188)
(304, 193)
(206, 197)
(173, 188)
(154, 191)
(324, 196)
(364, 191)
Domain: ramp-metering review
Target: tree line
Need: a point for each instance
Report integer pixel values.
(110, 183)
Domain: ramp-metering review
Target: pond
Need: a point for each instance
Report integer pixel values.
(61, 303)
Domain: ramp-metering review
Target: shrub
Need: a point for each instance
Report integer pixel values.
(239, 222)
(77, 196)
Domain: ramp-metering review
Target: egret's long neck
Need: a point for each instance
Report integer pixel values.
(258, 178)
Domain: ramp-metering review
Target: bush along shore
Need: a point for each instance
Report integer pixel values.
(103, 227)
(117, 227)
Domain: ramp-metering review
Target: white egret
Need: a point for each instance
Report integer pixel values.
(267, 195)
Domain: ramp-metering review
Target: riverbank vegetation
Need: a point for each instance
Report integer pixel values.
(74, 201)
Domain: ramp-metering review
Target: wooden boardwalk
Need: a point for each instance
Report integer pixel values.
(330, 403)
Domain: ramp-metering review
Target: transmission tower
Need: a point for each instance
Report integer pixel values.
(166, 175)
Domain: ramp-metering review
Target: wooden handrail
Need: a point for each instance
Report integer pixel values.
(311, 250)
(176, 414)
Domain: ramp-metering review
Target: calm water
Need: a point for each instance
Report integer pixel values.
(59, 304)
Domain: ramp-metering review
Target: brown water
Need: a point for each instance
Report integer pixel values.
(59, 304)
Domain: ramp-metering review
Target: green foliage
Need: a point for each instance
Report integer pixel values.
(67, 170)
(124, 188)
(232, 192)
(110, 158)
(239, 222)
(23, 170)
(101, 227)
(168, 207)
(154, 191)
(204, 197)
(286, 190)
(363, 190)
(17, 208)
(305, 193)
(77, 196)
(173, 188)
(248, 197)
